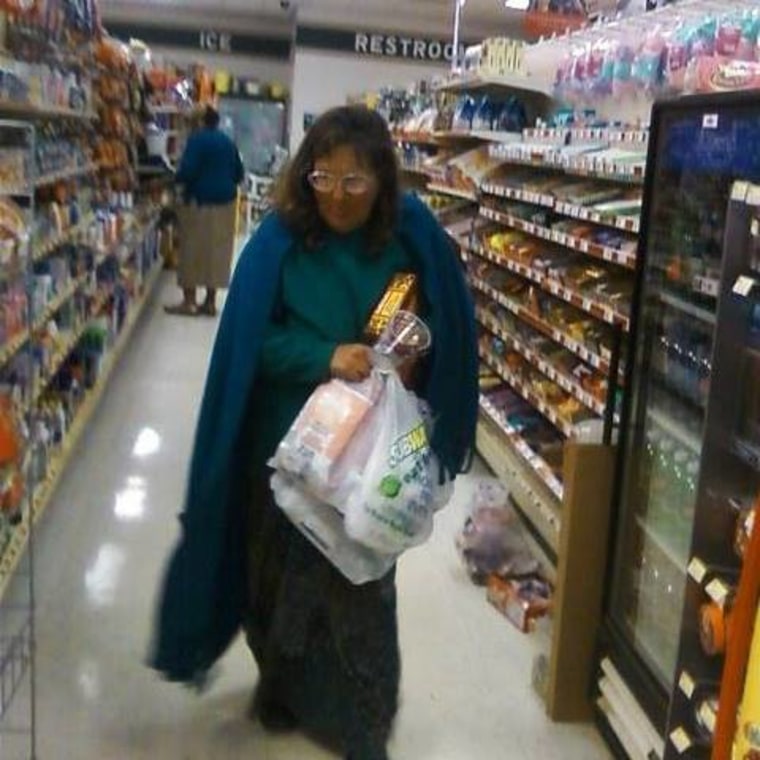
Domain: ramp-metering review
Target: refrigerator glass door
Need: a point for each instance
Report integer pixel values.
(257, 127)
(699, 153)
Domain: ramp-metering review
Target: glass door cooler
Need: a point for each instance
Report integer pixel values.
(690, 445)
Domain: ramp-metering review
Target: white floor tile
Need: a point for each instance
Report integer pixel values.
(101, 550)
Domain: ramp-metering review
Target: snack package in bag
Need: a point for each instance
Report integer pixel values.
(323, 526)
(392, 507)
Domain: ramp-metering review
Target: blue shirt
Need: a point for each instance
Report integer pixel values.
(210, 168)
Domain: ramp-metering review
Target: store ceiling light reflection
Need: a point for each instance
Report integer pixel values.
(102, 577)
(148, 443)
(130, 502)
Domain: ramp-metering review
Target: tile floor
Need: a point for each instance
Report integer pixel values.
(100, 553)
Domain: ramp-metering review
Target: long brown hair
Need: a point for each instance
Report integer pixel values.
(367, 133)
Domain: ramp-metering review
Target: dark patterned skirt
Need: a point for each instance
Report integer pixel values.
(327, 650)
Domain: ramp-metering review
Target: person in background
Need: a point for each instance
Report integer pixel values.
(210, 171)
(327, 651)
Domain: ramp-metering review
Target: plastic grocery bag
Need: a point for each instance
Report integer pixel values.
(392, 507)
(492, 541)
(323, 526)
(312, 452)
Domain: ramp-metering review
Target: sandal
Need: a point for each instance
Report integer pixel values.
(182, 310)
(208, 310)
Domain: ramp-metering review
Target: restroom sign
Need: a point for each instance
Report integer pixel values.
(399, 46)
(406, 47)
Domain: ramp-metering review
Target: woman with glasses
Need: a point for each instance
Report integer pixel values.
(327, 651)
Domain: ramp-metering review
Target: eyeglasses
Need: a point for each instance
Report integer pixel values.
(351, 184)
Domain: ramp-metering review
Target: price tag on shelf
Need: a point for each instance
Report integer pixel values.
(697, 569)
(686, 684)
(707, 715)
(718, 591)
(743, 285)
(681, 740)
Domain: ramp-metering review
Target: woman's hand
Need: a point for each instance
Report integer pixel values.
(351, 362)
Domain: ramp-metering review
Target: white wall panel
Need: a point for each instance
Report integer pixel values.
(322, 80)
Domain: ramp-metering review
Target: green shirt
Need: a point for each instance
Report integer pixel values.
(326, 297)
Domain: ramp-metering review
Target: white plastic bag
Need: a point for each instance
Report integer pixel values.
(323, 526)
(392, 507)
(312, 452)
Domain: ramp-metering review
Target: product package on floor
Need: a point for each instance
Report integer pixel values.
(356, 473)
(521, 600)
(491, 541)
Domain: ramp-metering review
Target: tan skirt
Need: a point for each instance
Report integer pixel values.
(207, 239)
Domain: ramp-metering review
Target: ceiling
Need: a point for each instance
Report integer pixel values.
(434, 17)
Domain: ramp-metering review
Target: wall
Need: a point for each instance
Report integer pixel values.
(323, 79)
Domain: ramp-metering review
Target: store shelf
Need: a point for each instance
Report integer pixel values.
(31, 111)
(64, 174)
(526, 474)
(12, 347)
(49, 179)
(575, 211)
(625, 259)
(591, 358)
(676, 430)
(45, 248)
(560, 378)
(660, 539)
(59, 461)
(584, 213)
(553, 160)
(454, 192)
(516, 83)
(416, 170)
(556, 288)
(56, 362)
(56, 303)
(606, 135)
(682, 305)
(479, 135)
(521, 387)
(165, 110)
(706, 286)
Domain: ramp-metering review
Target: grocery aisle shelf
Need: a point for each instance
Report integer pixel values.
(59, 461)
(505, 457)
(523, 84)
(556, 288)
(565, 382)
(31, 111)
(13, 346)
(56, 303)
(49, 179)
(616, 172)
(676, 430)
(576, 211)
(625, 259)
(522, 388)
(595, 360)
(46, 247)
(533, 460)
(662, 543)
(687, 307)
(468, 195)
